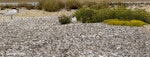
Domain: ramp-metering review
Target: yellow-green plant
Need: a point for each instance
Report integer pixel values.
(124, 22)
(114, 22)
(136, 23)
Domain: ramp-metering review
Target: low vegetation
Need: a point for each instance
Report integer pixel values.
(72, 4)
(26, 5)
(20, 5)
(50, 5)
(124, 22)
(91, 12)
(85, 15)
(88, 15)
(64, 19)
(55, 5)
(100, 5)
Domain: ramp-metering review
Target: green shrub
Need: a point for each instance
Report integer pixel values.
(124, 22)
(141, 15)
(147, 19)
(72, 4)
(50, 5)
(85, 15)
(122, 14)
(64, 20)
(26, 5)
(103, 14)
(107, 13)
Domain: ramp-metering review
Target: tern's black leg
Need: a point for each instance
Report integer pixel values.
(11, 17)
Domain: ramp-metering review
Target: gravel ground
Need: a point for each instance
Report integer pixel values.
(37, 33)
(45, 37)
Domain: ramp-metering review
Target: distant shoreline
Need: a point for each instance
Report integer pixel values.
(79, 0)
(15, 3)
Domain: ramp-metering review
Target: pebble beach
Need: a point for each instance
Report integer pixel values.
(35, 33)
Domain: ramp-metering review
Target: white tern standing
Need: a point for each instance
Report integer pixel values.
(11, 12)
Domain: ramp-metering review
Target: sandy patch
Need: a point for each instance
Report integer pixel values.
(34, 13)
(37, 13)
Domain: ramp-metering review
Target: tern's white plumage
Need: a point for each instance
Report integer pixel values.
(11, 12)
(73, 19)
